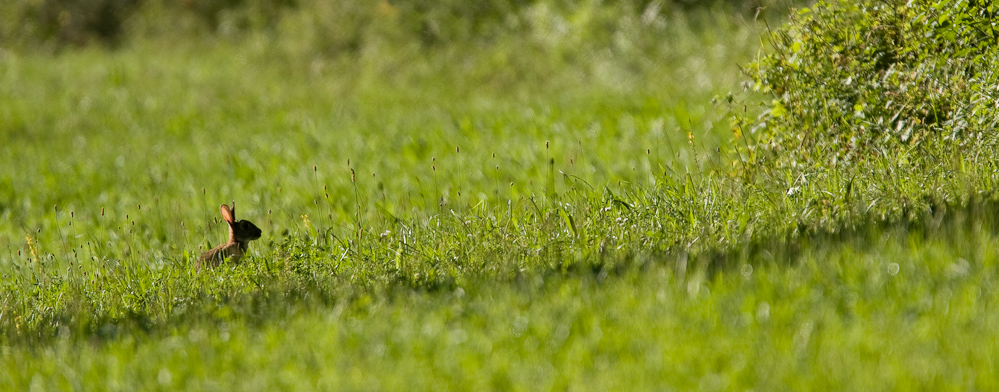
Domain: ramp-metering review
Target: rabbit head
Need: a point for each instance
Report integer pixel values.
(241, 231)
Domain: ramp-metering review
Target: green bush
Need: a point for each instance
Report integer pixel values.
(902, 74)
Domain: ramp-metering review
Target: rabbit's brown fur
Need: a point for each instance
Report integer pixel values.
(240, 235)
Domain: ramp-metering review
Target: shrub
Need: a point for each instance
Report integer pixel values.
(846, 80)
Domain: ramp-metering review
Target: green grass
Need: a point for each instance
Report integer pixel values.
(890, 308)
(430, 223)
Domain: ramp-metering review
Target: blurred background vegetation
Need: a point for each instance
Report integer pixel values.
(337, 27)
(399, 50)
(509, 44)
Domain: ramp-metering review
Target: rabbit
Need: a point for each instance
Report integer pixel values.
(240, 235)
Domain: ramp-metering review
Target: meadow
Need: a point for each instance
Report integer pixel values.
(571, 196)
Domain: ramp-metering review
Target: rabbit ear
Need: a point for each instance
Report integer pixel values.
(227, 214)
(233, 210)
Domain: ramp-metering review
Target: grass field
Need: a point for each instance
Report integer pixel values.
(521, 213)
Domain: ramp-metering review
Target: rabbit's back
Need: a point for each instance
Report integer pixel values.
(232, 251)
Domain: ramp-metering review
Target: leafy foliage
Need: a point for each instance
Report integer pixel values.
(901, 74)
